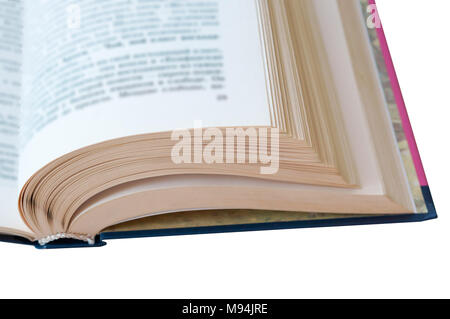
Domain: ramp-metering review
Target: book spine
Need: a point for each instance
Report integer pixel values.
(86, 238)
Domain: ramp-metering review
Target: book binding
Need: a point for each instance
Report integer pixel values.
(84, 238)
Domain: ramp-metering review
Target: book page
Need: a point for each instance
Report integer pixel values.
(10, 79)
(98, 70)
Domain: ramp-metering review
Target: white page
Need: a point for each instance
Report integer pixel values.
(10, 76)
(68, 101)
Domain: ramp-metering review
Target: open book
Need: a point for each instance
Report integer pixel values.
(126, 116)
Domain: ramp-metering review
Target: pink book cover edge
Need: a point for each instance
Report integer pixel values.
(401, 105)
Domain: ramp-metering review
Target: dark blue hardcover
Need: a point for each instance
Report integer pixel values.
(408, 218)
(14, 239)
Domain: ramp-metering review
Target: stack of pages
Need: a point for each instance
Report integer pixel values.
(141, 118)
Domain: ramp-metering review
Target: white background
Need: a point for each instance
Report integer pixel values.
(405, 260)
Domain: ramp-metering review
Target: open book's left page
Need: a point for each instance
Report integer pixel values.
(10, 92)
(76, 73)
(100, 70)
